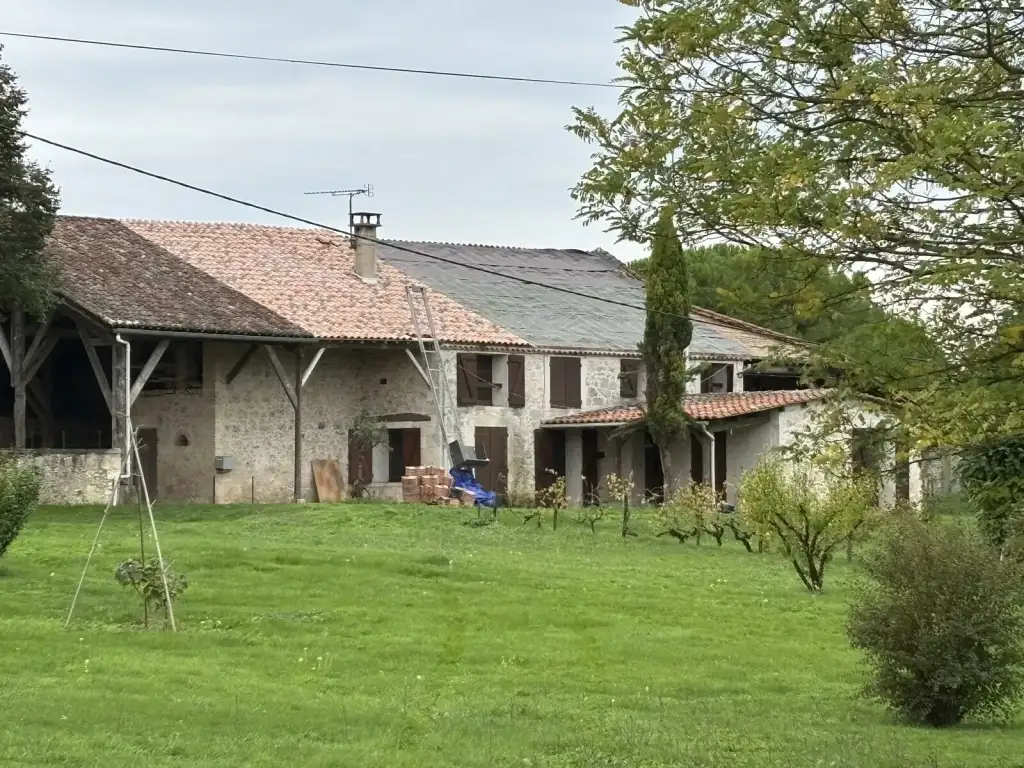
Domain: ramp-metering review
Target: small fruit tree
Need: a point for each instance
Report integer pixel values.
(809, 513)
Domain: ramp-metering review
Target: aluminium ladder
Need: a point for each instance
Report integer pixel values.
(434, 368)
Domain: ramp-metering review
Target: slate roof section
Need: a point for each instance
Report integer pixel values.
(706, 407)
(552, 319)
(129, 282)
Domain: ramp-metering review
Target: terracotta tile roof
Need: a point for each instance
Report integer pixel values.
(710, 407)
(245, 278)
(306, 275)
(127, 281)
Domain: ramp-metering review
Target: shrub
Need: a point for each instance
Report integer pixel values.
(686, 514)
(810, 515)
(941, 624)
(19, 495)
(145, 579)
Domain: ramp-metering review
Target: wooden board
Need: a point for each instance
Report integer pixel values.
(329, 482)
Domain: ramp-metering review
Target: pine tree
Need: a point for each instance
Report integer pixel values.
(28, 207)
(667, 335)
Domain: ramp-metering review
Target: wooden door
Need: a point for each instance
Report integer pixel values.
(721, 464)
(591, 479)
(148, 458)
(492, 442)
(548, 457)
(654, 474)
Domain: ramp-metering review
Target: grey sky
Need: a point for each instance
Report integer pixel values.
(451, 160)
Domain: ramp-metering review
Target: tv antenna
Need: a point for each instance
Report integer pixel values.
(349, 193)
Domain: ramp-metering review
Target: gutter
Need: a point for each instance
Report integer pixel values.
(200, 336)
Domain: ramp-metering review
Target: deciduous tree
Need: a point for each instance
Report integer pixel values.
(878, 137)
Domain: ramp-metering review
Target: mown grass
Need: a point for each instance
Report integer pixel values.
(370, 635)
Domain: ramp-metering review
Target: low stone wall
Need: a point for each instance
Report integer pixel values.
(75, 477)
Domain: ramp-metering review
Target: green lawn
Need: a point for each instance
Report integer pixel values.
(370, 635)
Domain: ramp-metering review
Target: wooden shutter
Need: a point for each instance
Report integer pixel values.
(573, 383)
(516, 381)
(466, 376)
(360, 463)
(629, 378)
(556, 365)
(484, 379)
(411, 447)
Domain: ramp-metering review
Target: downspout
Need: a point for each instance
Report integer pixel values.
(703, 426)
(127, 447)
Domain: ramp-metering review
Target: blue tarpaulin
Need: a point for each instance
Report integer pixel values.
(463, 479)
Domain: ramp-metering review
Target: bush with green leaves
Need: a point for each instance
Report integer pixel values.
(687, 512)
(554, 497)
(992, 475)
(19, 495)
(941, 620)
(809, 513)
(146, 579)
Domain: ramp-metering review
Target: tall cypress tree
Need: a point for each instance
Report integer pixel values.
(667, 335)
(28, 207)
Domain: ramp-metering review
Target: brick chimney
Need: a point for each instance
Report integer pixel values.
(365, 225)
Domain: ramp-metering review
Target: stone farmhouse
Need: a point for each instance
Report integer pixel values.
(252, 351)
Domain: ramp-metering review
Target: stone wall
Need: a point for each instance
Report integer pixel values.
(75, 477)
(252, 421)
(184, 422)
(255, 422)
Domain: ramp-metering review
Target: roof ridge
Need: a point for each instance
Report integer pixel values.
(495, 246)
(230, 224)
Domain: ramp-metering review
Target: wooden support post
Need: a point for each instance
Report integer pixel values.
(97, 368)
(298, 423)
(18, 378)
(282, 376)
(147, 370)
(118, 398)
(237, 367)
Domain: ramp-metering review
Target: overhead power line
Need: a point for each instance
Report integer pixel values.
(389, 244)
(312, 62)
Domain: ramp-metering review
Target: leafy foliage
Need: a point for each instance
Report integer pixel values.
(367, 432)
(667, 336)
(28, 207)
(810, 514)
(19, 495)
(992, 475)
(146, 580)
(555, 497)
(860, 138)
(811, 300)
(686, 513)
(941, 623)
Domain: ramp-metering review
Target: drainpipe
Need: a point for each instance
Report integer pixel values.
(127, 447)
(711, 441)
